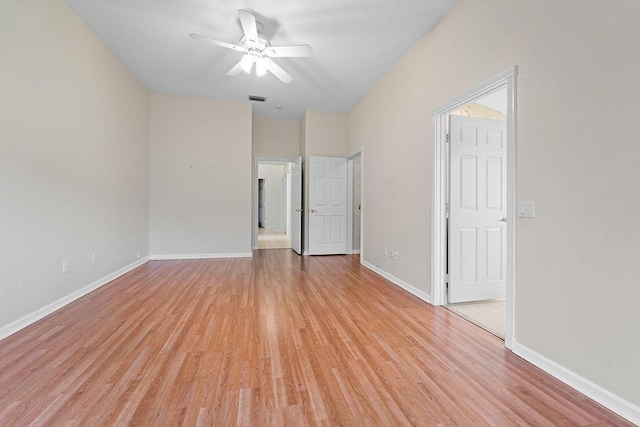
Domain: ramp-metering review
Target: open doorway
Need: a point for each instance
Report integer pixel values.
(274, 205)
(355, 203)
(474, 206)
(476, 259)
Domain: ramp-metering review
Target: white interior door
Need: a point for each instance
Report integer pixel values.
(296, 205)
(287, 204)
(327, 205)
(477, 217)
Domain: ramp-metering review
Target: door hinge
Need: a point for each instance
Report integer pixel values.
(446, 209)
(448, 137)
(446, 279)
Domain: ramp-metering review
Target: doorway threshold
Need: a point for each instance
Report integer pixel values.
(490, 315)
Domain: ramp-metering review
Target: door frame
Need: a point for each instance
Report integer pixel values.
(350, 207)
(506, 79)
(260, 188)
(254, 205)
(287, 204)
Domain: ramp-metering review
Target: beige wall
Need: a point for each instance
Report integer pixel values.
(577, 264)
(275, 138)
(73, 158)
(325, 134)
(200, 175)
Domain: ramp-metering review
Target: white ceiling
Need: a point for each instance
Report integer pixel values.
(354, 42)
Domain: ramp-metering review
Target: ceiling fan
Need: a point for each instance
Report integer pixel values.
(258, 50)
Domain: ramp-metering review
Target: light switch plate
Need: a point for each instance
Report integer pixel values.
(527, 209)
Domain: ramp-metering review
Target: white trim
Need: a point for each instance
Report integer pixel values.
(601, 395)
(363, 205)
(398, 282)
(199, 256)
(350, 207)
(512, 178)
(350, 157)
(355, 154)
(33, 317)
(507, 79)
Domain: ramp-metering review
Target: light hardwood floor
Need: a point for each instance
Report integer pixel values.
(274, 340)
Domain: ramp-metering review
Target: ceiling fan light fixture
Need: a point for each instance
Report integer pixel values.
(247, 63)
(261, 67)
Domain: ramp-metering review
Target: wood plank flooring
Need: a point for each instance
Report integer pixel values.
(274, 340)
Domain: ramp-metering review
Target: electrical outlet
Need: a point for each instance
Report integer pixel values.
(395, 255)
(94, 256)
(65, 266)
(196, 238)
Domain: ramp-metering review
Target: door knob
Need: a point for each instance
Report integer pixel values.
(313, 211)
(297, 210)
(504, 219)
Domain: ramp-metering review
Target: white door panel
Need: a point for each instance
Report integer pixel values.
(327, 205)
(477, 232)
(296, 205)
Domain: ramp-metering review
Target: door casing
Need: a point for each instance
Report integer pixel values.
(350, 207)
(506, 79)
(296, 212)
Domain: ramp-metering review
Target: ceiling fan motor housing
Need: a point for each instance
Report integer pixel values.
(255, 45)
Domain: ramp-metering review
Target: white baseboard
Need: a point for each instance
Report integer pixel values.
(354, 251)
(509, 342)
(199, 256)
(404, 285)
(27, 320)
(604, 397)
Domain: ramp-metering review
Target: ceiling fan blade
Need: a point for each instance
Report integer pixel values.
(236, 69)
(301, 51)
(277, 71)
(248, 22)
(217, 42)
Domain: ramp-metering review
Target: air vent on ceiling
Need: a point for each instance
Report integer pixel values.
(257, 98)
